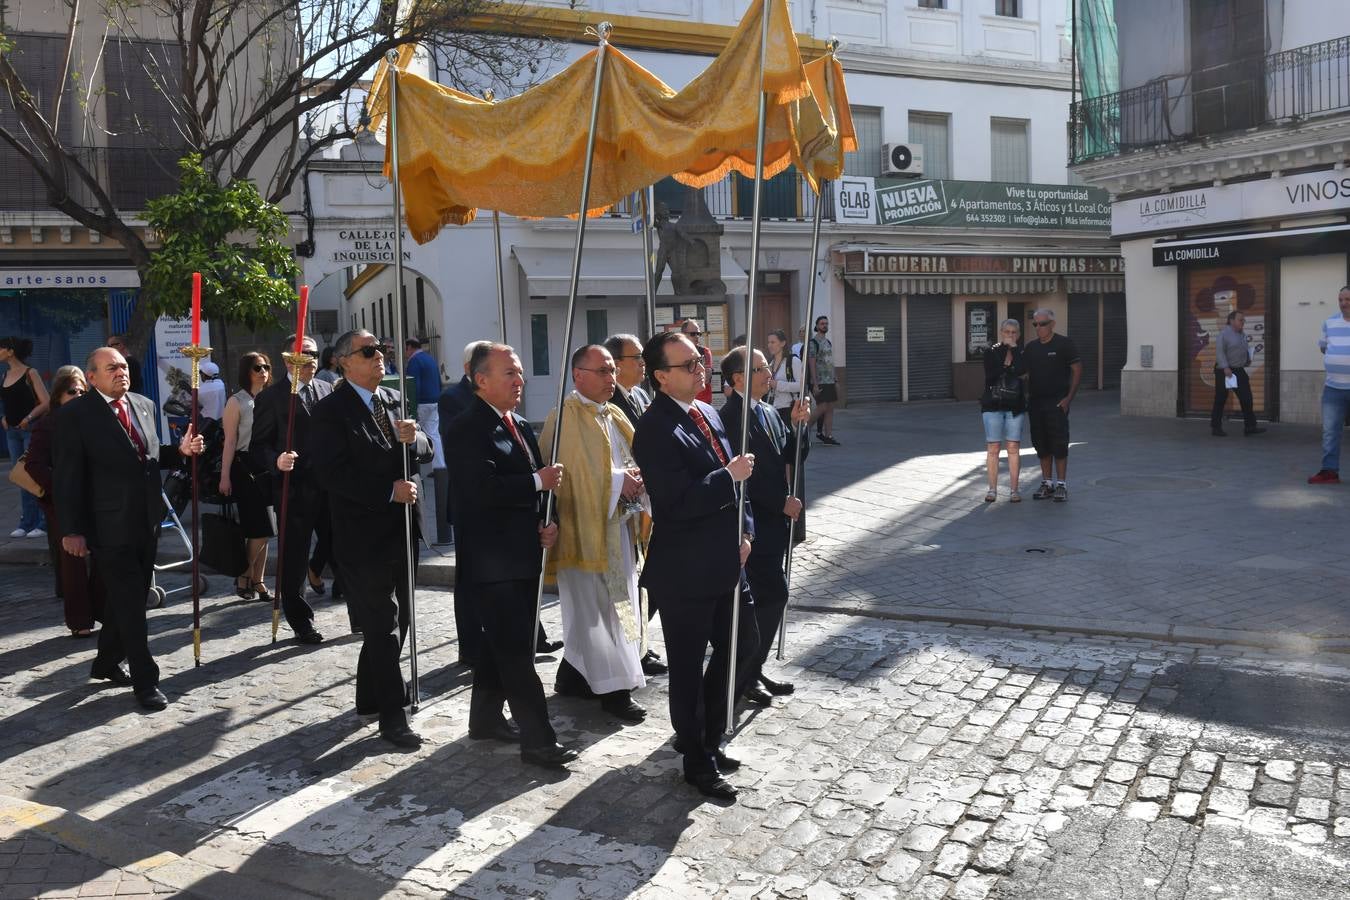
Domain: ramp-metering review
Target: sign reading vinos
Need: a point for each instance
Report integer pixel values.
(993, 204)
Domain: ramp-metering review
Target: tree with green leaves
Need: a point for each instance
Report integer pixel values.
(236, 88)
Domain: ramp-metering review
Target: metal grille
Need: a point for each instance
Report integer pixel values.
(1115, 339)
(874, 366)
(930, 347)
(1082, 328)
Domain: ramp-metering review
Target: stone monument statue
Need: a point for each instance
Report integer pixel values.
(691, 246)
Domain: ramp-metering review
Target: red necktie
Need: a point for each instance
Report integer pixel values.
(119, 407)
(511, 427)
(702, 423)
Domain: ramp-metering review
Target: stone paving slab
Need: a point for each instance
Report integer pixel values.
(915, 760)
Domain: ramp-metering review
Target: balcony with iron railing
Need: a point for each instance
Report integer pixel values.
(786, 196)
(130, 175)
(1259, 92)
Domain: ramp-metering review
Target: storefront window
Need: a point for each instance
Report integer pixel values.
(539, 343)
(981, 329)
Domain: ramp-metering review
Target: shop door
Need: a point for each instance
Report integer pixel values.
(1115, 339)
(930, 346)
(1017, 311)
(1082, 328)
(1210, 295)
(872, 339)
(773, 309)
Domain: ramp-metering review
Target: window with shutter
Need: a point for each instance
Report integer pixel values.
(933, 132)
(145, 138)
(1009, 155)
(38, 59)
(866, 160)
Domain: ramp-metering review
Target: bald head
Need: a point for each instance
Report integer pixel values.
(106, 370)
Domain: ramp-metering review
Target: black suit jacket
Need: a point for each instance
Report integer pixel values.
(628, 405)
(454, 400)
(271, 411)
(352, 461)
(103, 490)
(768, 484)
(693, 547)
(494, 497)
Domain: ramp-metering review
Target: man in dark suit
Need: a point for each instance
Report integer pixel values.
(770, 497)
(632, 400)
(307, 503)
(498, 485)
(357, 455)
(693, 560)
(109, 500)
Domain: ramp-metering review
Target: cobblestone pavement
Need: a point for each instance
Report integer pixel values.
(1167, 531)
(915, 760)
(32, 866)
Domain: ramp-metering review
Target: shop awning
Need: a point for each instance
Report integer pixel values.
(1252, 246)
(1095, 284)
(604, 272)
(953, 284)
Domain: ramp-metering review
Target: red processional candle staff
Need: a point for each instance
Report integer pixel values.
(297, 359)
(196, 352)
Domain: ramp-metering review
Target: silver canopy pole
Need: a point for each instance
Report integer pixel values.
(399, 337)
(755, 227)
(648, 264)
(801, 429)
(501, 282)
(602, 32)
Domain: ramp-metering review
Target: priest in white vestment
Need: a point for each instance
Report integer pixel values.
(600, 520)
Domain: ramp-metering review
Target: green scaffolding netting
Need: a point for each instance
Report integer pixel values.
(1092, 25)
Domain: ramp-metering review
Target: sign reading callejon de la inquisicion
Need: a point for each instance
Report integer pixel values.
(971, 204)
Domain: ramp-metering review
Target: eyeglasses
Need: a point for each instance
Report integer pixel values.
(1042, 324)
(603, 370)
(369, 351)
(261, 367)
(630, 356)
(693, 334)
(691, 365)
(758, 369)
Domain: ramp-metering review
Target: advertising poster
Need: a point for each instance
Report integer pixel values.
(1211, 294)
(175, 374)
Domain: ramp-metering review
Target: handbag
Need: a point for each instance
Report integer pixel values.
(19, 476)
(1008, 392)
(222, 546)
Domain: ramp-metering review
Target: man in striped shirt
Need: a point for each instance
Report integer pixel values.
(1335, 345)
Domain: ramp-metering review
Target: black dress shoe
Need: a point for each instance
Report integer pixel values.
(777, 688)
(550, 756)
(623, 708)
(547, 646)
(503, 731)
(726, 763)
(309, 637)
(467, 662)
(1218, 432)
(711, 784)
(571, 683)
(757, 696)
(152, 699)
(116, 674)
(652, 665)
(401, 736)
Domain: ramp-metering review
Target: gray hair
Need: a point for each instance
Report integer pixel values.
(471, 346)
(289, 344)
(1013, 322)
(1044, 311)
(343, 347)
(482, 352)
(614, 343)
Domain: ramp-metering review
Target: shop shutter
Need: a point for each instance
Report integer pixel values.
(1115, 339)
(930, 346)
(1082, 327)
(873, 366)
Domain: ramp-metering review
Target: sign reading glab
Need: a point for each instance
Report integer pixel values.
(853, 200)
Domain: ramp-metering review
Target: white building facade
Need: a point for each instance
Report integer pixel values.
(991, 227)
(1225, 151)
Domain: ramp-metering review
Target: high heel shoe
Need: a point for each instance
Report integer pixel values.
(263, 595)
(318, 588)
(242, 590)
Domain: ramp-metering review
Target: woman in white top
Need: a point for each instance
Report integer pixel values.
(787, 380)
(249, 489)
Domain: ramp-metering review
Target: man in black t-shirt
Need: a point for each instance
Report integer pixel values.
(1054, 371)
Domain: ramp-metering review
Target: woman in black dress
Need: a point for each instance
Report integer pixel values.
(249, 489)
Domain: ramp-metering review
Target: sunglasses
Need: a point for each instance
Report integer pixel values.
(370, 351)
(1041, 324)
(261, 367)
(691, 365)
(74, 392)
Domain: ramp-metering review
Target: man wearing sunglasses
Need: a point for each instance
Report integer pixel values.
(358, 453)
(693, 560)
(307, 504)
(693, 329)
(1054, 371)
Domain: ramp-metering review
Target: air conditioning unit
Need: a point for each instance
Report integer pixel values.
(902, 159)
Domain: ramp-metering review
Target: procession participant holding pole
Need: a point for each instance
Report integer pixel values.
(770, 496)
(595, 562)
(109, 502)
(693, 566)
(497, 486)
(282, 443)
(358, 451)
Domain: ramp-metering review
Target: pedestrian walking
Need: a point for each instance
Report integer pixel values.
(1335, 347)
(1232, 356)
(1003, 407)
(820, 374)
(25, 400)
(1053, 373)
(242, 479)
(80, 591)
